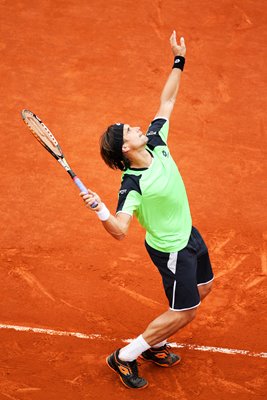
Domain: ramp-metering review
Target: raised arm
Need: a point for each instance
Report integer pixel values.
(171, 87)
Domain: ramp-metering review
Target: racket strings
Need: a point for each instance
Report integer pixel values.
(42, 133)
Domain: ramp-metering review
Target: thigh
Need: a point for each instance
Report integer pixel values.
(179, 275)
(166, 265)
(185, 293)
(204, 269)
(197, 242)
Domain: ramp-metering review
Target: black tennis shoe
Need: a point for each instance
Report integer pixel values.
(127, 371)
(161, 356)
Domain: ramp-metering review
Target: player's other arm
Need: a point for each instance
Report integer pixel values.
(117, 226)
(171, 87)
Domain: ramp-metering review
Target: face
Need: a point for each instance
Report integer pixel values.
(133, 138)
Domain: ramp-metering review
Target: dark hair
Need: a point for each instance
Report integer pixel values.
(113, 158)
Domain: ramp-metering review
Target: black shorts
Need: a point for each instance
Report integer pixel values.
(183, 271)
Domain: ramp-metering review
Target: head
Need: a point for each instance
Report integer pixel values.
(119, 143)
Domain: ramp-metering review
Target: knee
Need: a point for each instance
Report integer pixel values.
(204, 290)
(190, 314)
(186, 316)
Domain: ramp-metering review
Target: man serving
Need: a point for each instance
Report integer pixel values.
(152, 189)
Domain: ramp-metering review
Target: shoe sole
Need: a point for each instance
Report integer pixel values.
(161, 365)
(116, 372)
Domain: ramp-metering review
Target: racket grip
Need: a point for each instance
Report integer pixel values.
(80, 185)
(83, 188)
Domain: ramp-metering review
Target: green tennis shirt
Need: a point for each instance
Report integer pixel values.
(156, 195)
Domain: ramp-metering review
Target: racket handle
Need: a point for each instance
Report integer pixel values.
(83, 188)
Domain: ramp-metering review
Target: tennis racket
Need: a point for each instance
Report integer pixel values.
(45, 137)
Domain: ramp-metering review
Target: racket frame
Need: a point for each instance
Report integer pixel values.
(58, 156)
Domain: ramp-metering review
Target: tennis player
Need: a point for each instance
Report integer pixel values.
(152, 189)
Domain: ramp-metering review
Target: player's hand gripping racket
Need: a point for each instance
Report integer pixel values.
(45, 137)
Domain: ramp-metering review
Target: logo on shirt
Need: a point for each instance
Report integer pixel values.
(165, 153)
(151, 133)
(122, 191)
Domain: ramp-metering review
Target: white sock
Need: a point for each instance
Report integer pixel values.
(160, 344)
(134, 349)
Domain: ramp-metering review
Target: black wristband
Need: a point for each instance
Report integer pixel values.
(179, 62)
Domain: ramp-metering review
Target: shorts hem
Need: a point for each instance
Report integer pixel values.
(205, 283)
(184, 309)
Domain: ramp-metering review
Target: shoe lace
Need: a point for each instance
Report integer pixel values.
(167, 347)
(134, 368)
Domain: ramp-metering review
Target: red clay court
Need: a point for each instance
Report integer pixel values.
(81, 65)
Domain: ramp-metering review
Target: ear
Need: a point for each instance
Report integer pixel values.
(125, 148)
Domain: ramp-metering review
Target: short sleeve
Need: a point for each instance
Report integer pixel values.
(129, 195)
(158, 132)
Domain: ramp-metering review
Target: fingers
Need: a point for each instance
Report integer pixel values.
(89, 192)
(177, 49)
(89, 198)
(173, 39)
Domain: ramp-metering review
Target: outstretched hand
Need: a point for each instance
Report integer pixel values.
(178, 50)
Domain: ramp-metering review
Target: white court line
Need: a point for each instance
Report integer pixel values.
(100, 337)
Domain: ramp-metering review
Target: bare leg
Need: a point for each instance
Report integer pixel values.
(170, 322)
(204, 290)
(167, 324)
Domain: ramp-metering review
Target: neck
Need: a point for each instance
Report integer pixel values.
(140, 159)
